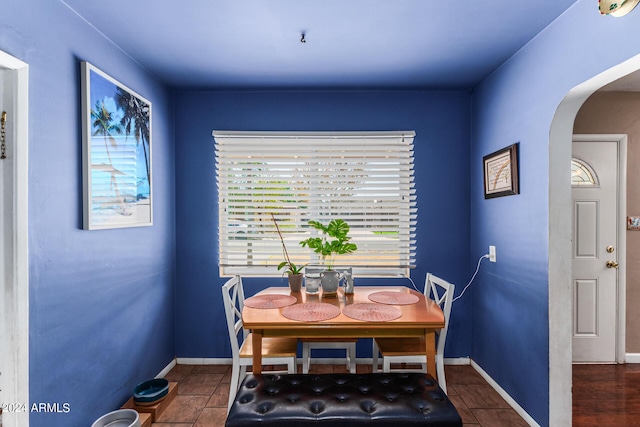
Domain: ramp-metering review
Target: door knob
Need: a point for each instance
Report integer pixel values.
(612, 264)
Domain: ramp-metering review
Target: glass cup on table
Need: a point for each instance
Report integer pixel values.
(312, 283)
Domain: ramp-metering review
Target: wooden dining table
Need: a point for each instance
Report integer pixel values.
(420, 319)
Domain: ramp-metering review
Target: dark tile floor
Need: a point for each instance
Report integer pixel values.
(203, 392)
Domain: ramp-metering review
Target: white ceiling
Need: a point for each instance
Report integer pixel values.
(349, 43)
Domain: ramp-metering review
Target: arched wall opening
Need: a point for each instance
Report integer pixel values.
(560, 219)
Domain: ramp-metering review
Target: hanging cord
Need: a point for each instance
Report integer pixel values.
(472, 277)
(465, 288)
(414, 285)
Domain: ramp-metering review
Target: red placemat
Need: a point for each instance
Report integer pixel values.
(311, 311)
(371, 312)
(394, 298)
(270, 301)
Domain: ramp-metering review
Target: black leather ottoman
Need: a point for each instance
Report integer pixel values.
(392, 399)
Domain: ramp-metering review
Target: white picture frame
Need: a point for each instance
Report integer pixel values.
(116, 151)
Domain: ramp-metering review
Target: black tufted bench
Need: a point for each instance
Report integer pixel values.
(391, 399)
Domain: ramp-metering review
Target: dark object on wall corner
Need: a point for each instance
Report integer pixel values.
(501, 172)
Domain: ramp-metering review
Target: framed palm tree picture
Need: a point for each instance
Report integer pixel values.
(116, 166)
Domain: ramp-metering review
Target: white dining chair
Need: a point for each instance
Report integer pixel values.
(412, 350)
(346, 344)
(275, 351)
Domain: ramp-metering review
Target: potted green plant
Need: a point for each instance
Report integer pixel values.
(333, 241)
(293, 272)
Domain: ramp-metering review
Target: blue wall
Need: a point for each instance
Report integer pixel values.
(101, 302)
(441, 122)
(517, 103)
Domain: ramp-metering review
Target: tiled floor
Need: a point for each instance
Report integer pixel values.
(203, 393)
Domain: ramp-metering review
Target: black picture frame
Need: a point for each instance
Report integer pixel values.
(501, 173)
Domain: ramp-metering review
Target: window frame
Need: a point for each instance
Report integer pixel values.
(243, 155)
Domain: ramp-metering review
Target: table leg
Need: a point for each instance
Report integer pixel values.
(256, 336)
(430, 340)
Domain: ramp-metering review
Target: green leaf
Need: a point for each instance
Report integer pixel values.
(318, 226)
(338, 228)
(350, 248)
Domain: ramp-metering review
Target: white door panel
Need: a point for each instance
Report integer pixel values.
(595, 228)
(586, 226)
(586, 308)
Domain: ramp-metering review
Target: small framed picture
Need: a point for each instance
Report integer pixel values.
(501, 172)
(633, 223)
(116, 166)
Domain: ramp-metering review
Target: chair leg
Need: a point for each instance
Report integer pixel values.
(351, 358)
(291, 365)
(347, 358)
(306, 357)
(442, 382)
(386, 364)
(233, 386)
(375, 353)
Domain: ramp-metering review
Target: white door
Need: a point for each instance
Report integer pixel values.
(595, 230)
(14, 256)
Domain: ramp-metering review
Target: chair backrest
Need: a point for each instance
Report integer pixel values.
(442, 292)
(233, 298)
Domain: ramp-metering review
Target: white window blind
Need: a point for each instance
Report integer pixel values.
(366, 179)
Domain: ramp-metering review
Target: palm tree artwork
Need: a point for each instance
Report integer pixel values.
(120, 163)
(104, 126)
(136, 116)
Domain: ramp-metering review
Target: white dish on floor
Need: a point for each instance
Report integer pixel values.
(119, 418)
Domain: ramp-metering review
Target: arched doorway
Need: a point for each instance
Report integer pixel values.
(560, 289)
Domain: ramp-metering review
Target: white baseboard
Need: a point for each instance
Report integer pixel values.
(204, 361)
(229, 361)
(632, 358)
(319, 361)
(334, 361)
(457, 360)
(167, 368)
(526, 417)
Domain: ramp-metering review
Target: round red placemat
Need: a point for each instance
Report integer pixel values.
(270, 301)
(394, 298)
(371, 312)
(311, 311)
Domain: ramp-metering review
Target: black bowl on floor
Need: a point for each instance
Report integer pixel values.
(150, 392)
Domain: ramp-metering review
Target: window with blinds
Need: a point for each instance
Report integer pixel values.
(366, 179)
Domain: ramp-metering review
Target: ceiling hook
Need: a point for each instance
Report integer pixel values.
(302, 40)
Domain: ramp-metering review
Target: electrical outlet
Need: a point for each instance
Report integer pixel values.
(492, 253)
